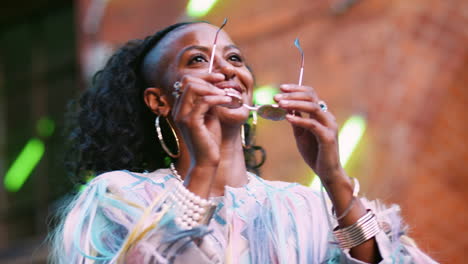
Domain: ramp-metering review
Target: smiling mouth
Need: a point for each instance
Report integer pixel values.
(233, 93)
(230, 86)
(236, 98)
(233, 90)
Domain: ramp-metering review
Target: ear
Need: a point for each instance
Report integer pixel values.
(157, 101)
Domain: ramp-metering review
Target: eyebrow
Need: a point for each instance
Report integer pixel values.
(231, 46)
(206, 49)
(197, 47)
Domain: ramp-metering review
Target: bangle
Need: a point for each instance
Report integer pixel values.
(364, 229)
(356, 188)
(191, 210)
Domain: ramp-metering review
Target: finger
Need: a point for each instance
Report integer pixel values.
(313, 109)
(202, 89)
(322, 133)
(213, 100)
(206, 77)
(289, 88)
(304, 96)
(303, 106)
(199, 87)
(201, 106)
(191, 92)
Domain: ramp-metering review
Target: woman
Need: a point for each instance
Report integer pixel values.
(220, 213)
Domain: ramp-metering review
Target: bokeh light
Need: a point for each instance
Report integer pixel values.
(199, 8)
(24, 164)
(264, 95)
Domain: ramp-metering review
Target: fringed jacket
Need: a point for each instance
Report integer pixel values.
(120, 218)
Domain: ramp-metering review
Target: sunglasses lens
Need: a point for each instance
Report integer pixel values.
(272, 112)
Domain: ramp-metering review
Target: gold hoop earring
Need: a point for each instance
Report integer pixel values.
(248, 142)
(161, 139)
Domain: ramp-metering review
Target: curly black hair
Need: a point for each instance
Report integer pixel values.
(111, 128)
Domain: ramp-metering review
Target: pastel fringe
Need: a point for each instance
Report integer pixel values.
(109, 223)
(262, 222)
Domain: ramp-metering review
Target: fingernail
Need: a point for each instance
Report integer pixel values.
(285, 86)
(284, 102)
(278, 96)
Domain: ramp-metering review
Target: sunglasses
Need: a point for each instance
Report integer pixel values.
(267, 111)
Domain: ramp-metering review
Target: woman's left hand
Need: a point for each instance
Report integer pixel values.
(316, 135)
(315, 130)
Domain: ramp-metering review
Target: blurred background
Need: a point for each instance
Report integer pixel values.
(395, 74)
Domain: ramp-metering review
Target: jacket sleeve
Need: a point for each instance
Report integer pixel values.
(393, 243)
(111, 223)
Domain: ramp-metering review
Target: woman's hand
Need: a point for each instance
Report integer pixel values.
(316, 135)
(316, 131)
(192, 113)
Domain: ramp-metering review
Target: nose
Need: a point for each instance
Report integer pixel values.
(226, 68)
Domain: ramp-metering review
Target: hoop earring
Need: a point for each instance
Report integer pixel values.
(243, 136)
(247, 142)
(161, 139)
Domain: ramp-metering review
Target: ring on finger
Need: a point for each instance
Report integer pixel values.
(176, 92)
(323, 106)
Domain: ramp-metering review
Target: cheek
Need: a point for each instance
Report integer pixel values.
(248, 80)
(169, 76)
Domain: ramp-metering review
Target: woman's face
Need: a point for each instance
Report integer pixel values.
(187, 51)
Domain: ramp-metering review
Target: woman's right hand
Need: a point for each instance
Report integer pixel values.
(192, 113)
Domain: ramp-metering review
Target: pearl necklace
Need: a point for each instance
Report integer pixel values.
(175, 172)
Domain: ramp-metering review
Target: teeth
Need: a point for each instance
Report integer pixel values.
(236, 98)
(232, 92)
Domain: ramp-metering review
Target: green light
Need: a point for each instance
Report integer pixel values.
(348, 138)
(24, 165)
(199, 8)
(264, 95)
(88, 178)
(45, 127)
(350, 135)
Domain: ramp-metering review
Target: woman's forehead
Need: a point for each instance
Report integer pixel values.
(171, 46)
(202, 34)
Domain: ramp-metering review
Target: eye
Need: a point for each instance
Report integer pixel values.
(197, 58)
(235, 58)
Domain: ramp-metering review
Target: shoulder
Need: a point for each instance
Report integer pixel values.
(119, 178)
(117, 193)
(127, 179)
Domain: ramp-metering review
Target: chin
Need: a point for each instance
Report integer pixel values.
(237, 116)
